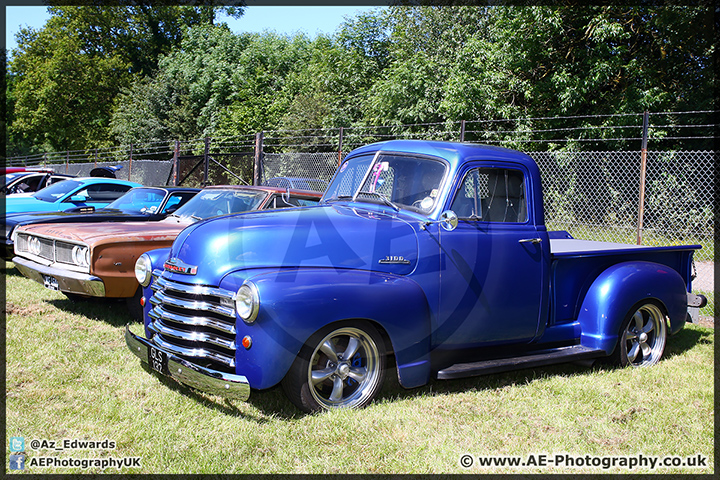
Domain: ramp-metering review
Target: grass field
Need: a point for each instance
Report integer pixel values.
(70, 376)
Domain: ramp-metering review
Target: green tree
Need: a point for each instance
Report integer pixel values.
(567, 61)
(69, 72)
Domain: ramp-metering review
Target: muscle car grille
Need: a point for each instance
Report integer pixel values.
(194, 322)
(45, 248)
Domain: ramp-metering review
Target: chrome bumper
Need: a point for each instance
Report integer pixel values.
(201, 378)
(67, 280)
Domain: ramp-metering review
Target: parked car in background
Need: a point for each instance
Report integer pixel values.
(98, 259)
(25, 180)
(19, 181)
(141, 204)
(69, 194)
(298, 183)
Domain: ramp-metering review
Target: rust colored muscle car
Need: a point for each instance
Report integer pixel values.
(98, 259)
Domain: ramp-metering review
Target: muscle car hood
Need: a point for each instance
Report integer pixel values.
(94, 234)
(332, 236)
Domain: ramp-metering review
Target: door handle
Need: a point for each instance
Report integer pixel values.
(530, 240)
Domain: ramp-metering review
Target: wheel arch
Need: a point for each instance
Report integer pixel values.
(623, 287)
(296, 304)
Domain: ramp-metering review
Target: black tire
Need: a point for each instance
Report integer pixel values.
(133, 305)
(642, 336)
(322, 377)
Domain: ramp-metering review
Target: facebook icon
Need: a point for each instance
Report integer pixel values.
(17, 462)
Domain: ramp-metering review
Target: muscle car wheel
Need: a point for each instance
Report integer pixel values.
(342, 368)
(642, 337)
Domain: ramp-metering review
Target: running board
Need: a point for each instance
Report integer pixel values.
(531, 359)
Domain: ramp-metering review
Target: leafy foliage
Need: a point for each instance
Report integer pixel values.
(95, 76)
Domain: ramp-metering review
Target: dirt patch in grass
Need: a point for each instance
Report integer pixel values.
(32, 309)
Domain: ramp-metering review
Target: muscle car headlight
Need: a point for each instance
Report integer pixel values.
(81, 256)
(143, 270)
(247, 302)
(33, 245)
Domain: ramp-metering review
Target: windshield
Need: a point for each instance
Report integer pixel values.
(139, 200)
(400, 181)
(57, 190)
(213, 202)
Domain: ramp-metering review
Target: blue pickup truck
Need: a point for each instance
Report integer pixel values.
(433, 252)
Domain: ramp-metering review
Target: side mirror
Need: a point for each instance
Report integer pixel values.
(448, 221)
(78, 198)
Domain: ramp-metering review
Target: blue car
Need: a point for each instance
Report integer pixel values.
(69, 194)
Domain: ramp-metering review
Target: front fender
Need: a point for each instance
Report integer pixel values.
(618, 289)
(295, 303)
(157, 260)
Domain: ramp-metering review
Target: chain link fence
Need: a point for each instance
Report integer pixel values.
(320, 165)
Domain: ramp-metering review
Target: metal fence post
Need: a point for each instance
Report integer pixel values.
(340, 146)
(643, 167)
(95, 158)
(67, 161)
(130, 165)
(207, 161)
(176, 153)
(257, 170)
(462, 130)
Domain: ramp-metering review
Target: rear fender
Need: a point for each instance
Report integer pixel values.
(618, 289)
(295, 303)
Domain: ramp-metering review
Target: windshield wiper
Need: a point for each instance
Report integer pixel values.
(339, 197)
(383, 198)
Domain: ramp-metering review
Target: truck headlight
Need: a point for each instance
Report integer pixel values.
(247, 302)
(81, 256)
(143, 270)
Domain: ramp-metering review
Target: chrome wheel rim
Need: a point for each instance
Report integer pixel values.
(344, 369)
(645, 336)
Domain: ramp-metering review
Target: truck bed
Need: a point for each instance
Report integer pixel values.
(576, 263)
(571, 247)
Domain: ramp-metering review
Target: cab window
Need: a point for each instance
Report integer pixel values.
(492, 195)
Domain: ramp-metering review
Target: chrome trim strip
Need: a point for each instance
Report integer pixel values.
(160, 313)
(211, 381)
(161, 297)
(159, 327)
(194, 289)
(193, 352)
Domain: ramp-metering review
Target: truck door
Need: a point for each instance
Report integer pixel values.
(493, 264)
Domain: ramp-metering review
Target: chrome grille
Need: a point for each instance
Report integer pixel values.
(45, 246)
(63, 252)
(40, 248)
(196, 322)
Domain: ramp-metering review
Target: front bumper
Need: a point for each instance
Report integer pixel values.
(217, 383)
(67, 280)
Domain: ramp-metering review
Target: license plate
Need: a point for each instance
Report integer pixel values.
(50, 282)
(158, 360)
